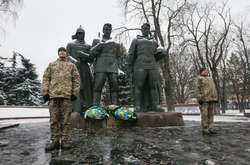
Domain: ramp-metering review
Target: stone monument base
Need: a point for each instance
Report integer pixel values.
(144, 119)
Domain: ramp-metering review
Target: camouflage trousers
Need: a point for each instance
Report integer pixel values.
(60, 110)
(207, 116)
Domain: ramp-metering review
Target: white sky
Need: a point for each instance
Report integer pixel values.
(45, 25)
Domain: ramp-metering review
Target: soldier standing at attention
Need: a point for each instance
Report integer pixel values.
(60, 85)
(206, 95)
(105, 53)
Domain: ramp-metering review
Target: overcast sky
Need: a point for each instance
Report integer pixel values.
(45, 25)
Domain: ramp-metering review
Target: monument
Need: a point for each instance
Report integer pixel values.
(143, 55)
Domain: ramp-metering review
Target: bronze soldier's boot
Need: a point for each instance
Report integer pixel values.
(65, 145)
(138, 109)
(114, 98)
(155, 104)
(138, 106)
(157, 108)
(52, 146)
(96, 98)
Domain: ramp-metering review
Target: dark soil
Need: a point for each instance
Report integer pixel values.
(128, 146)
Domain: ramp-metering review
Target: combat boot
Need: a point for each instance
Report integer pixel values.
(52, 146)
(205, 133)
(65, 145)
(212, 132)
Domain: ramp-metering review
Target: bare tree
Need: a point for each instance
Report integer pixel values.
(237, 78)
(183, 76)
(208, 27)
(224, 83)
(239, 64)
(8, 10)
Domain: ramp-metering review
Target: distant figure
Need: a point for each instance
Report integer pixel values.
(143, 55)
(105, 53)
(60, 86)
(206, 95)
(78, 53)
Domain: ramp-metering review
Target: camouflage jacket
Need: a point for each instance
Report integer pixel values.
(61, 79)
(205, 89)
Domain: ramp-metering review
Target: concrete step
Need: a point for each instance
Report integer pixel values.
(144, 119)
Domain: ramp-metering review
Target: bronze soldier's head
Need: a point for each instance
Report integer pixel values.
(80, 34)
(145, 29)
(107, 28)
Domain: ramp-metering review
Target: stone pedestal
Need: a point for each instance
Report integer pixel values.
(247, 114)
(144, 119)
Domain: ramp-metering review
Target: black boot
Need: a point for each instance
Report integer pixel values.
(212, 132)
(65, 145)
(52, 146)
(205, 133)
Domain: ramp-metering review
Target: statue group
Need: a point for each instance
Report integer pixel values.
(104, 55)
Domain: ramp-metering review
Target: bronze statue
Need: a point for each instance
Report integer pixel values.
(143, 55)
(78, 53)
(105, 53)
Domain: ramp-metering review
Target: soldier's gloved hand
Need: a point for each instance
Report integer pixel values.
(46, 98)
(73, 98)
(200, 102)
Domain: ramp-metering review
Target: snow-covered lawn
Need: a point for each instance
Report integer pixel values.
(23, 112)
(230, 116)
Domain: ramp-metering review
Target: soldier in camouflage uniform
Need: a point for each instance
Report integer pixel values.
(206, 95)
(105, 53)
(60, 85)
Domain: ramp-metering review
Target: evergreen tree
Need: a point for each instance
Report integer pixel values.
(2, 93)
(19, 86)
(27, 89)
(10, 81)
(124, 90)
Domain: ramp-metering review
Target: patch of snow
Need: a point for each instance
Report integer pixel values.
(219, 118)
(23, 121)
(209, 162)
(44, 112)
(23, 112)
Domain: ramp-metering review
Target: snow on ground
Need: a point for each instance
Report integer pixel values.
(230, 116)
(219, 118)
(22, 121)
(23, 112)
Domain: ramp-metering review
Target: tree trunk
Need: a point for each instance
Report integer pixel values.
(216, 81)
(168, 84)
(241, 104)
(223, 95)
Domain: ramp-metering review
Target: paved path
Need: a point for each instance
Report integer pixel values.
(167, 146)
